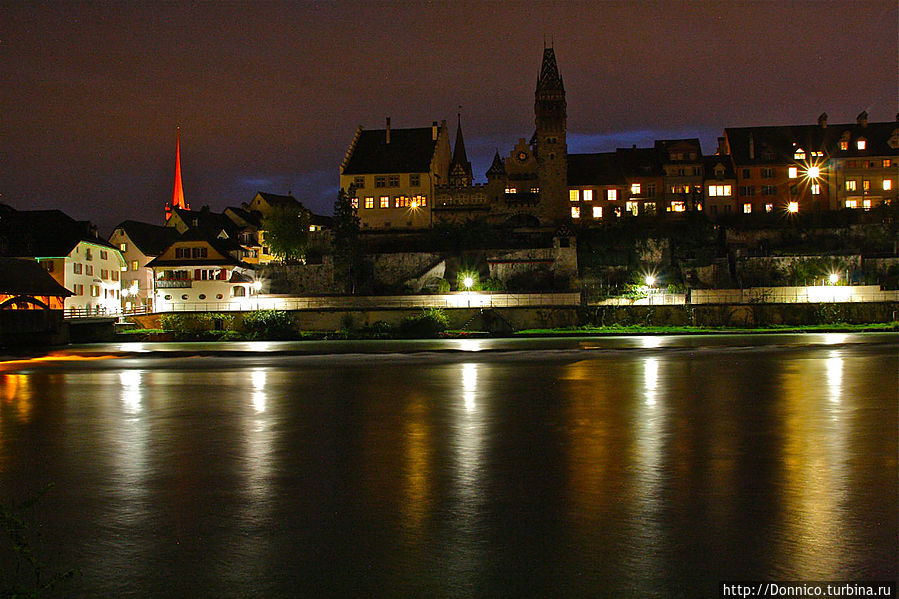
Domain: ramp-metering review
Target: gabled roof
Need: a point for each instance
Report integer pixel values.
(665, 147)
(26, 277)
(409, 151)
(279, 201)
(710, 162)
(149, 239)
(225, 247)
(43, 233)
(639, 162)
(243, 218)
(594, 169)
(498, 169)
(206, 219)
(765, 145)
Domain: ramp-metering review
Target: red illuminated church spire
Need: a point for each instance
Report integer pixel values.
(178, 193)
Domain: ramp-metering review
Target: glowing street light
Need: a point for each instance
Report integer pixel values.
(793, 207)
(813, 172)
(257, 285)
(834, 278)
(468, 282)
(650, 280)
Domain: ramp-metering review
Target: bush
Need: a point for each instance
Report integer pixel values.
(430, 323)
(377, 330)
(269, 325)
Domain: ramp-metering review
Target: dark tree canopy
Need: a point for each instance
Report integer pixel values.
(287, 232)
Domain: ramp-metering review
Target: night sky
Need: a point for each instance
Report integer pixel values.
(268, 94)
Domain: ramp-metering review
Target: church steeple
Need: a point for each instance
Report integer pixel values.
(550, 143)
(460, 167)
(178, 192)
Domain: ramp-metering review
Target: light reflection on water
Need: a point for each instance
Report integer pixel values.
(650, 474)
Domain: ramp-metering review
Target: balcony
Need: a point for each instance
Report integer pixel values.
(172, 284)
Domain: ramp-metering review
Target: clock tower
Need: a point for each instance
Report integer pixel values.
(550, 145)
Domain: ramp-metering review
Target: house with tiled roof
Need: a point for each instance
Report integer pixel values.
(139, 243)
(71, 251)
(395, 173)
(720, 186)
(202, 270)
(825, 166)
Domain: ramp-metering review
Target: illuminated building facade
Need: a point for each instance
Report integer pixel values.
(139, 243)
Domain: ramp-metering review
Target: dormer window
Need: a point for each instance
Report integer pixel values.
(861, 143)
(799, 154)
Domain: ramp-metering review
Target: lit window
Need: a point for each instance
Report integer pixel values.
(769, 207)
(611, 195)
(793, 207)
(861, 144)
(355, 203)
(400, 202)
(573, 195)
(385, 202)
(852, 203)
(719, 190)
(123, 247)
(844, 145)
(632, 207)
(420, 200)
(678, 206)
(887, 184)
(511, 190)
(597, 212)
(747, 208)
(866, 204)
(635, 189)
(588, 195)
(793, 172)
(887, 163)
(866, 185)
(850, 185)
(535, 190)
(369, 202)
(575, 212)
(799, 154)
(816, 189)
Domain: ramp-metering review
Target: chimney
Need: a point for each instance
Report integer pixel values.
(722, 146)
(434, 131)
(862, 119)
(751, 147)
(822, 120)
(388, 130)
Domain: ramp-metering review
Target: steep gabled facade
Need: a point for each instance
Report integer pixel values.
(395, 173)
(139, 243)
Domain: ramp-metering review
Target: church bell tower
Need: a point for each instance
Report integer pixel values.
(550, 144)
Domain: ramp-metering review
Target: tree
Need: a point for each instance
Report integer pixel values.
(348, 262)
(287, 232)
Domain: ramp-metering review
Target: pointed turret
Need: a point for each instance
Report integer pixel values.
(178, 192)
(460, 167)
(497, 169)
(549, 143)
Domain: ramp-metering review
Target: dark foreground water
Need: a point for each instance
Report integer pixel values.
(636, 467)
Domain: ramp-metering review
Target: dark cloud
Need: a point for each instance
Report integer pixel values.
(268, 94)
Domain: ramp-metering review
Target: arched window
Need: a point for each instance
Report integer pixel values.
(238, 291)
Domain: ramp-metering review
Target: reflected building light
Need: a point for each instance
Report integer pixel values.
(469, 384)
(835, 338)
(258, 378)
(652, 341)
(470, 344)
(131, 390)
(650, 379)
(835, 376)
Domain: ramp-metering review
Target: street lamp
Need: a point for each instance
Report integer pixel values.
(650, 280)
(468, 282)
(834, 278)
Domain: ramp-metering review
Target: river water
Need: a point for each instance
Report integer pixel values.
(631, 466)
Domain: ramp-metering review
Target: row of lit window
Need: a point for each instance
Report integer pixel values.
(191, 253)
(88, 269)
(852, 185)
(88, 255)
(417, 201)
(634, 208)
(516, 190)
(388, 181)
(860, 144)
(885, 163)
(78, 289)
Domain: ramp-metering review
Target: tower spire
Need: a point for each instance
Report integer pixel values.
(460, 167)
(178, 192)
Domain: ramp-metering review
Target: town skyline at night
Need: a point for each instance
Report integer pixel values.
(268, 96)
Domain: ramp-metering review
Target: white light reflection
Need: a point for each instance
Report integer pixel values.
(258, 379)
(651, 342)
(835, 338)
(835, 376)
(650, 379)
(131, 390)
(469, 385)
(470, 344)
